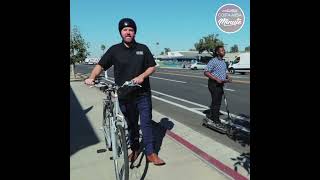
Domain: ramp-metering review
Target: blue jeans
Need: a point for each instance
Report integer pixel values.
(131, 109)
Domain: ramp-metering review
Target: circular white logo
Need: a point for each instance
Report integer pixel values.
(230, 18)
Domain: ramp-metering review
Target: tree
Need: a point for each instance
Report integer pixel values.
(162, 53)
(78, 47)
(103, 47)
(247, 49)
(208, 43)
(234, 49)
(166, 50)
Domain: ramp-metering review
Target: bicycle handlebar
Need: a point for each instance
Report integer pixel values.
(114, 86)
(130, 84)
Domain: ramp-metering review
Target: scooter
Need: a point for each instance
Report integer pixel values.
(227, 125)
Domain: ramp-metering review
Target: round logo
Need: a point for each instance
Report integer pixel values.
(230, 18)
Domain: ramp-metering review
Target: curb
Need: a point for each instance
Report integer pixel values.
(225, 169)
(79, 77)
(220, 157)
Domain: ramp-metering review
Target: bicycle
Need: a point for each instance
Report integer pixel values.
(114, 127)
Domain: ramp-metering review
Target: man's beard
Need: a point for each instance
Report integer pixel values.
(128, 41)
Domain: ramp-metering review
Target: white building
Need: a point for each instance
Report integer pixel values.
(194, 55)
(184, 55)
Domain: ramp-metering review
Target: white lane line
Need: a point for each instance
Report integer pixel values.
(229, 89)
(239, 77)
(185, 107)
(200, 109)
(179, 105)
(167, 79)
(183, 100)
(196, 104)
(200, 73)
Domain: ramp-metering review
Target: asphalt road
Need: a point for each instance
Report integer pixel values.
(192, 86)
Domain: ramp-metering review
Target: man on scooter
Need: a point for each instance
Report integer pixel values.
(216, 71)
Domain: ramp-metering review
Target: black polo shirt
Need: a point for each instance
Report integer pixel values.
(129, 63)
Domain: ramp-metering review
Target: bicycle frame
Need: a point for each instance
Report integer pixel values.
(117, 124)
(116, 119)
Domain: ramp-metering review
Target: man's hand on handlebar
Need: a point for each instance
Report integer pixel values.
(131, 83)
(138, 80)
(89, 81)
(229, 80)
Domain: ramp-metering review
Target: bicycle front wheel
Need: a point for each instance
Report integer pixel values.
(106, 125)
(121, 162)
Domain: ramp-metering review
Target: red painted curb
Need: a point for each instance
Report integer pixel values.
(224, 168)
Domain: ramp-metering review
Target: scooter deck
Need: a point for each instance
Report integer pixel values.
(208, 123)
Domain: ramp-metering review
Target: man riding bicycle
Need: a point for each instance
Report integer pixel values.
(132, 61)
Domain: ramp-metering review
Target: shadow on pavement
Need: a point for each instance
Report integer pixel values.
(159, 131)
(139, 167)
(243, 161)
(81, 132)
(243, 138)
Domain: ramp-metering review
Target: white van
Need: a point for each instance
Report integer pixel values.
(241, 64)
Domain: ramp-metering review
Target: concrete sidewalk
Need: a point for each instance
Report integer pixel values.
(183, 160)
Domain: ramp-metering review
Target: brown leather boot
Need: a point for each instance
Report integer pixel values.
(154, 158)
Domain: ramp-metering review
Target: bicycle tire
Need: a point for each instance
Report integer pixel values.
(122, 150)
(106, 126)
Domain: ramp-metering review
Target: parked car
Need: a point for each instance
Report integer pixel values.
(198, 65)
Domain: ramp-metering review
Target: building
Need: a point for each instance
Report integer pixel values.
(193, 55)
(91, 60)
(185, 58)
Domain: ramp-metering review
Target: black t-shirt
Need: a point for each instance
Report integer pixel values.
(128, 64)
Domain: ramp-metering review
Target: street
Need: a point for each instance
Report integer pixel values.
(188, 152)
(183, 94)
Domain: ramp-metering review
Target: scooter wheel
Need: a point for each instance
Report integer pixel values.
(230, 133)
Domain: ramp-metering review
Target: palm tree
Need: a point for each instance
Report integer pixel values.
(166, 50)
(103, 47)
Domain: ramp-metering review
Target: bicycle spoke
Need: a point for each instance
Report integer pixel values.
(121, 162)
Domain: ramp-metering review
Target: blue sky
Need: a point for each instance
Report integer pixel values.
(175, 24)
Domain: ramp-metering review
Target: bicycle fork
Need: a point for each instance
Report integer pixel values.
(113, 130)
